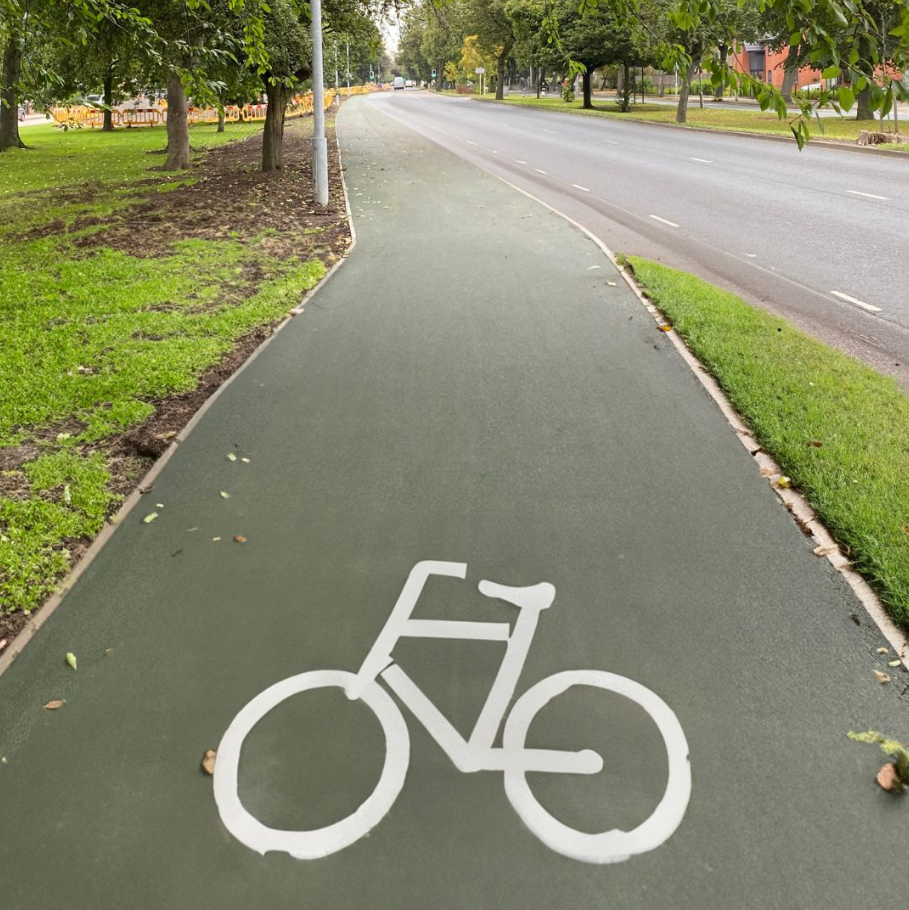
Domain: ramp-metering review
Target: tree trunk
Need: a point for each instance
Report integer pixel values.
(721, 88)
(108, 126)
(273, 134)
(790, 73)
(863, 111)
(500, 78)
(586, 80)
(681, 114)
(625, 96)
(9, 96)
(440, 74)
(220, 118)
(177, 126)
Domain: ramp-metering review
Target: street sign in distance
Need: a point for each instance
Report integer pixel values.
(480, 69)
(433, 74)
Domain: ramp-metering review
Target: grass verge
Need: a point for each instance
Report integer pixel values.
(837, 428)
(748, 121)
(121, 286)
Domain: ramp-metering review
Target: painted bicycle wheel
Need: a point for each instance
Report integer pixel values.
(321, 841)
(607, 846)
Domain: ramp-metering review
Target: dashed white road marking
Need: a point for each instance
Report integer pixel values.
(519, 161)
(539, 171)
(751, 255)
(702, 160)
(670, 223)
(859, 303)
(868, 195)
(578, 186)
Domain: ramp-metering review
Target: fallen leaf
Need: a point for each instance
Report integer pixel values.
(825, 551)
(208, 761)
(882, 678)
(108, 651)
(67, 495)
(190, 530)
(883, 650)
(611, 284)
(177, 553)
(4, 643)
(239, 538)
(245, 460)
(215, 538)
(225, 495)
(231, 456)
(784, 482)
(665, 328)
(71, 659)
(149, 518)
(56, 703)
(889, 779)
(815, 443)
(894, 663)
(159, 505)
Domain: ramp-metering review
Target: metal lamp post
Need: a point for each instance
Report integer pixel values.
(319, 143)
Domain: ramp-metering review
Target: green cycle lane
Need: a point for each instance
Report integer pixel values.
(468, 389)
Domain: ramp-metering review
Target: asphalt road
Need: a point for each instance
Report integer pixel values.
(510, 406)
(818, 236)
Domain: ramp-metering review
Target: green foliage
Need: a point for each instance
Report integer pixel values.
(794, 390)
(68, 499)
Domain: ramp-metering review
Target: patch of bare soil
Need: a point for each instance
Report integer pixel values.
(231, 198)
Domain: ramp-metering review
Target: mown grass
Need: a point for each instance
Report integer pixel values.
(91, 338)
(750, 121)
(796, 392)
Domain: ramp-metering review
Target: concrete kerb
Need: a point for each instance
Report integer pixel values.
(826, 546)
(43, 613)
(766, 137)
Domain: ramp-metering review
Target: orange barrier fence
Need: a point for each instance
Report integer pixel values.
(299, 106)
(143, 116)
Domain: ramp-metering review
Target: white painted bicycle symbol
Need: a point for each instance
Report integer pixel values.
(475, 754)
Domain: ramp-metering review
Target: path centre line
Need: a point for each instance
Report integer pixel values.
(670, 223)
(869, 195)
(539, 171)
(859, 303)
(578, 186)
(702, 160)
(519, 161)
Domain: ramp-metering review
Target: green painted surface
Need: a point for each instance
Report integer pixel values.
(465, 388)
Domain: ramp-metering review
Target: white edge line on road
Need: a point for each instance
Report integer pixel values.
(44, 612)
(670, 223)
(702, 160)
(578, 186)
(539, 171)
(860, 303)
(869, 195)
(794, 501)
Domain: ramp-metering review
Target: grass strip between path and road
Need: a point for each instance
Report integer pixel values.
(115, 296)
(841, 129)
(838, 429)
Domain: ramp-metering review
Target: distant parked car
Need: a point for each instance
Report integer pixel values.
(399, 82)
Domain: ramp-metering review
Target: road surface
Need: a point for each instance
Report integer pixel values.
(818, 236)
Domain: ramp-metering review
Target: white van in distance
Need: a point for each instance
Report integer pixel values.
(399, 82)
